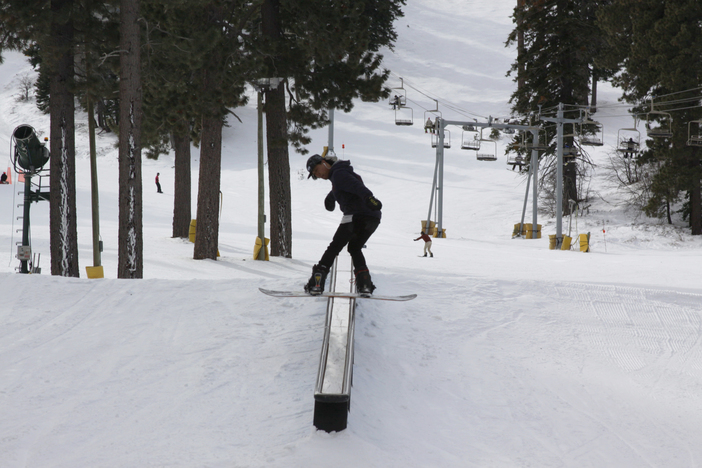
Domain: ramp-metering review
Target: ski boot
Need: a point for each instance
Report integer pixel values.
(364, 285)
(315, 286)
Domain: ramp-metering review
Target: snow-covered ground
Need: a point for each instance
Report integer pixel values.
(512, 355)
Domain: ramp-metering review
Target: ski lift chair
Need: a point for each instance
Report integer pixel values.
(570, 152)
(519, 142)
(659, 124)
(429, 116)
(573, 130)
(398, 99)
(628, 141)
(470, 141)
(540, 145)
(399, 96)
(486, 154)
(404, 116)
(694, 133)
(590, 132)
(447, 139)
(516, 161)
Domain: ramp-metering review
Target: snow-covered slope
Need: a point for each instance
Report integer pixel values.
(512, 355)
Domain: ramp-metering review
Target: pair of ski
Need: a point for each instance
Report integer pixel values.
(348, 295)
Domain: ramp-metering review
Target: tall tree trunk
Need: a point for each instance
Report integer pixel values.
(521, 69)
(62, 218)
(570, 190)
(278, 173)
(277, 141)
(570, 173)
(207, 230)
(695, 195)
(131, 242)
(182, 203)
(593, 93)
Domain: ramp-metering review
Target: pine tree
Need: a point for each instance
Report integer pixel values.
(658, 45)
(182, 183)
(195, 74)
(168, 92)
(327, 54)
(51, 27)
(554, 66)
(54, 33)
(62, 216)
(130, 252)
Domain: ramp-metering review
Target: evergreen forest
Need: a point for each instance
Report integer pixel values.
(163, 74)
(651, 50)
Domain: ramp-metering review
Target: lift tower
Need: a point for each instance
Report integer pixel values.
(437, 185)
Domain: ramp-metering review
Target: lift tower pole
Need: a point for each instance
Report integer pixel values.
(437, 185)
(559, 121)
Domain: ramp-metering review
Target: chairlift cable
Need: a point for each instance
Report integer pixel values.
(443, 101)
(679, 92)
(656, 105)
(681, 108)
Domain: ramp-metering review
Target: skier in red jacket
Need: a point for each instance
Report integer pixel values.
(427, 243)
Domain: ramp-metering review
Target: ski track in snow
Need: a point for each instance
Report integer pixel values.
(177, 362)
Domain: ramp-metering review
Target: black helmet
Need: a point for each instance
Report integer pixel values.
(312, 163)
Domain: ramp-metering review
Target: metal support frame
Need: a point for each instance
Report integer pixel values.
(94, 194)
(29, 156)
(261, 220)
(332, 392)
(24, 253)
(24, 257)
(533, 171)
(438, 182)
(559, 121)
(261, 86)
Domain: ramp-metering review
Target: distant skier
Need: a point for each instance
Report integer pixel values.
(361, 218)
(158, 184)
(3, 179)
(427, 243)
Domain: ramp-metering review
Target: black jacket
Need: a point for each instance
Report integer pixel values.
(348, 190)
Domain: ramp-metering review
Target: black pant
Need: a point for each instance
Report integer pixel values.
(355, 234)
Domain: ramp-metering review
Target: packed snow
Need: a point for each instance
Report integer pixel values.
(512, 355)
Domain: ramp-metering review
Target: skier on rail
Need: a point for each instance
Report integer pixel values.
(361, 218)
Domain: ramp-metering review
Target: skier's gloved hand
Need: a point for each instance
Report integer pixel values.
(330, 202)
(373, 203)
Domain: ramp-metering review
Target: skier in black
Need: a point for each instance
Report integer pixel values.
(361, 218)
(158, 183)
